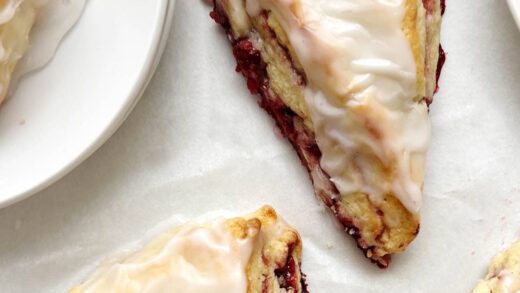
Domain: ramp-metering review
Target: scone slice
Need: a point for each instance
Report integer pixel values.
(256, 253)
(362, 137)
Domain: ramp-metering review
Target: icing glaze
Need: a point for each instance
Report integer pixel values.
(370, 123)
(195, 258)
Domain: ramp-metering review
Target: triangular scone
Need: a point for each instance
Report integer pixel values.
(16, 20)
(348, 83)
(257, 253)
(504, 273)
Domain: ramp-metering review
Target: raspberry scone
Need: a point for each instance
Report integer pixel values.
(349, 83)
(504, 273)
(257, 253)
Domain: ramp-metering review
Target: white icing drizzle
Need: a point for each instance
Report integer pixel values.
(361, 94)
(195, 258)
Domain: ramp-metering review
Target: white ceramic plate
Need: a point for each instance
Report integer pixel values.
(64, 112)
(514, 5)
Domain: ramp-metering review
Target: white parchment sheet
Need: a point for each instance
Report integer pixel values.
(197, 142)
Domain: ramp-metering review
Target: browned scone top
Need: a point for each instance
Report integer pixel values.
(268, 60)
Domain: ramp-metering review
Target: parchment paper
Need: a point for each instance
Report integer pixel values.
(197, 142)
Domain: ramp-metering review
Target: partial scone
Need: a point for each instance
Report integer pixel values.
(16, 20)
(348, 83)
(504, 273)
(257, 253)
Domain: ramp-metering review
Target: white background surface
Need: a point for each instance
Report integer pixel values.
(197, 142)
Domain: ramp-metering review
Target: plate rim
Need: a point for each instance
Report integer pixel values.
(514, 6)
(159, 41)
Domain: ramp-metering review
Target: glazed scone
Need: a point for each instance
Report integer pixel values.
(16, 20)
(257, 253)
(349, 83)
(503, 274)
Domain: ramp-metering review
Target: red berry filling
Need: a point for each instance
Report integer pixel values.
(286, 275)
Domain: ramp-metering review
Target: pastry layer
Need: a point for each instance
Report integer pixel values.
(381, 226)
(504, 273)
(255, 253)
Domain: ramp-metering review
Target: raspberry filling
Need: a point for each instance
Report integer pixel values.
(286, 275)
(440, 65)
(429, 5)
(251, 65)
(442, 53)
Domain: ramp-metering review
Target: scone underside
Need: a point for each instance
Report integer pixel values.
(250, 62)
